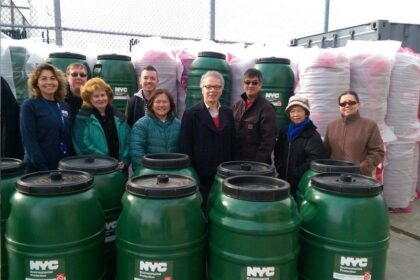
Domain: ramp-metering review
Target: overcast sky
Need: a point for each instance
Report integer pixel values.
(236, 20)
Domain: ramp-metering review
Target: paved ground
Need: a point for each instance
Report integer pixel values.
(403, 261)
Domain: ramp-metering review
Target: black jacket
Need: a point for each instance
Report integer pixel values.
(207, 146)
(135, 109)
(293, 159)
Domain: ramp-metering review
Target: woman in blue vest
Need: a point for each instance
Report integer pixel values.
(99, 129)
(157, 132)
(44, 120)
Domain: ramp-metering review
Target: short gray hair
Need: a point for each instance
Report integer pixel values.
(75, 65)
(213, 74)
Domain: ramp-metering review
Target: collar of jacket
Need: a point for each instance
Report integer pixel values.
(351, 118)
(158, 121)
(245, 97)
(88, 111)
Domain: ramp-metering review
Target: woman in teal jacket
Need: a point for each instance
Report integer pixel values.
(99, 129)
(157, 132)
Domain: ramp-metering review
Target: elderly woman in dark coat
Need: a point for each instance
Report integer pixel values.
(298, 144)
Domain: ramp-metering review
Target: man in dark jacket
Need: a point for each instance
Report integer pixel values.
(255, 121)
(76, 75)
(208, 132)
(137, 104)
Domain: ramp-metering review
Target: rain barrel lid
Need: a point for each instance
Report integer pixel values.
(114, 57)
(234, 168)
(166, 160)
(162, 186)
(256, 188)
(67, 55)
(273, 60)
(331, 165)
(347, 184)
(94, 164)
(11, 165)
(212, 54)
(54, 182)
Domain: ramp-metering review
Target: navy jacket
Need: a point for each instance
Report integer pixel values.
(207, 146)
(41, 133)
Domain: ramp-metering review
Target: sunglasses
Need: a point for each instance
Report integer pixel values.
(215, 87)
(254, 83)
(75, 74)
(350, 103)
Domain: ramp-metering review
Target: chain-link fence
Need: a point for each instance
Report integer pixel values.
(113, 24)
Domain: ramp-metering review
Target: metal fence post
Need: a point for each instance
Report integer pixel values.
(58, 27)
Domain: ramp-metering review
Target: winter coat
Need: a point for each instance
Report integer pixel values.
(150, 135)
(206, 145)
(136, 108)
(255, 129)
(41, 132)
(89, 137)
(293, 159)
(355, 139)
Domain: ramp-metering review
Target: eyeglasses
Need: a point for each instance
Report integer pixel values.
(350, 103)
(75, 74)
(254, 83)
(215, 87)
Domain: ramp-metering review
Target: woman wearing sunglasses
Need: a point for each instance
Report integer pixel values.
(354, 138)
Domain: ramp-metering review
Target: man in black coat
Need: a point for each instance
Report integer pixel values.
(208, 132)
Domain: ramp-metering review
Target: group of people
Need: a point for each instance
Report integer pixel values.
(71, 115)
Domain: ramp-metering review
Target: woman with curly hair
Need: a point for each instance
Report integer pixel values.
(44, 120)
(99, 129)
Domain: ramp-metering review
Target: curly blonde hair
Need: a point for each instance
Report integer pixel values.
(58, 74)
(91, 86)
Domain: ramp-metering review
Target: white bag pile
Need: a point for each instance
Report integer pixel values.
(371, 63)
(323, 75)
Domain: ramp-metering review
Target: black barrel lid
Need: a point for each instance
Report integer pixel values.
(89, 163)
(331, 165)
(256, 188)
(272, 60)
(67, 55)
(166, 160)
(347, 184)
(114, 57)
(54, 182)
(161, 186)
(11, 165)
(234, 168)
(212, 54)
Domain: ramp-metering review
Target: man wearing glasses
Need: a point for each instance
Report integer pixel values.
(76, 77)
(354, 138)
(255, 121)
(208, 132)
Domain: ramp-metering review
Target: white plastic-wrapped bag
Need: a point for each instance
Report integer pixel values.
(404, 96)
(398, 174)
(371, 63)
(323, 75)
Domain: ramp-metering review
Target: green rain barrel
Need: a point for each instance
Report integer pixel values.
(345, 228)
(11, 170)
(278, 84)
(55, 229)
(323, 166)
(166, 163)
(207, 61)
(109, 183)
(254, 230)
(235, 168)
(118, 72)
(161, 233)
(62, 60)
